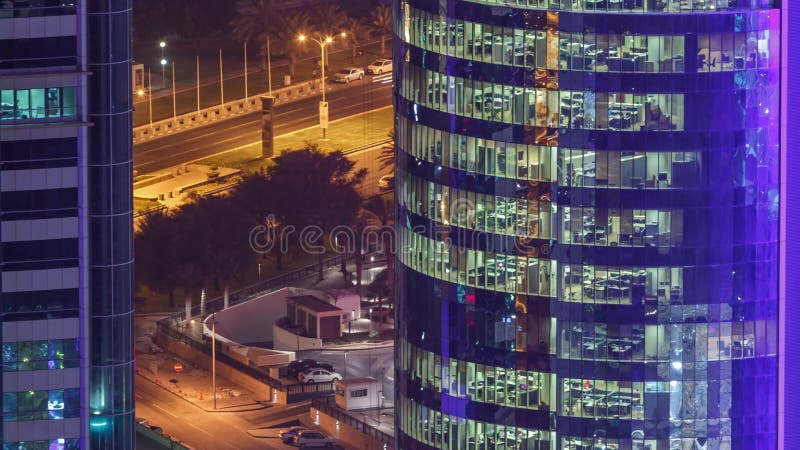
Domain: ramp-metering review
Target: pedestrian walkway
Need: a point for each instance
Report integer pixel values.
(194, 384)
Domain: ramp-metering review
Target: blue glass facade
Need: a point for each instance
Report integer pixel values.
(66, 305)
(588, 224)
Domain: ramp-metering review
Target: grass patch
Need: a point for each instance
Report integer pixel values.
(140, 204)
(343, 134)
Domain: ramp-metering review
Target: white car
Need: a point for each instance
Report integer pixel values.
(310, 438)
(317, 375)
(289, 435)
(380, 66)
(348, 74)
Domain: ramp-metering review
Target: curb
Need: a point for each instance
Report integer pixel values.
(262, 407)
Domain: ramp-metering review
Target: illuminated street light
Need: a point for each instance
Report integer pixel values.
(163, 45)
(140, 92)
(323, 106)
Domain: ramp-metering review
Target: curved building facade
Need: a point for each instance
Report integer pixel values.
(588, 206)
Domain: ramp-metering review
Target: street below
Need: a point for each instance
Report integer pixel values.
(200, 429)
(217, 137)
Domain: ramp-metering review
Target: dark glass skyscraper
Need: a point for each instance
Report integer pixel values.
(588, 210)
(66, 216)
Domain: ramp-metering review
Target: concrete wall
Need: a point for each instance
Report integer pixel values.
(261, 390)
(288, 341)
(347, 436)
(252, 320)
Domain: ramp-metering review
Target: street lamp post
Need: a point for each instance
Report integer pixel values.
(174, 107)
(163, 73)
(214, 357)
(269, 69)
(150, 96)
(323, 106)
(163, 45)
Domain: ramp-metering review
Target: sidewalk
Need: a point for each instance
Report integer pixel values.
(194, 384)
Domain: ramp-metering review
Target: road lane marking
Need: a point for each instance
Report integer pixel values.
(162, 409)
(292, 108)
(191, 150)
(200, 430)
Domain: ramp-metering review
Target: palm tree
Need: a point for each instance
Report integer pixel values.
(329, 19)
(381, 22)
(317, 190)
(356, 32)
(387, 156)
(379, 212)
(156, 253)
(255, 20)
(288, 45)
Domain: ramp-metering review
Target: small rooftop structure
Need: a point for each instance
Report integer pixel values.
(318, 318)
(312, 304)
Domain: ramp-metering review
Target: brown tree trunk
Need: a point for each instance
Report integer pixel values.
(383, 45)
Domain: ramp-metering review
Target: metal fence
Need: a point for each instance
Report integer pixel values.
(328, 406)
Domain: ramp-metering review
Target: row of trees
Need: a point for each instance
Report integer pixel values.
(207, 241)
(259, 20)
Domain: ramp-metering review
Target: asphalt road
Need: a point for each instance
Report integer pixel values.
(169, 151)
(204, 430)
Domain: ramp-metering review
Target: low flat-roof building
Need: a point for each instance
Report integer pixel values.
(318, 319)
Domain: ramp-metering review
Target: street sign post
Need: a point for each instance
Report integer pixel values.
(178, 367)
(323, 117)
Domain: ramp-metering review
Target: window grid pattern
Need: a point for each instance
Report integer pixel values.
(652, 304)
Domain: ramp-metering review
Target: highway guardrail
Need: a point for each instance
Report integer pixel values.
(223, 111)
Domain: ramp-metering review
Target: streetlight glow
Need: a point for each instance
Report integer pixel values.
(140, 92)
(162, 44)
(323, 106)
(163, 62)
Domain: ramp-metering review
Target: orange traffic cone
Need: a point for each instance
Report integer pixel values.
(201, 395)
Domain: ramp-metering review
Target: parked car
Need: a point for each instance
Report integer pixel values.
(318, 375)
(310, 438)
(304, 365)
(288, 435)
(348, 74)
(380, 66)
(386, 183)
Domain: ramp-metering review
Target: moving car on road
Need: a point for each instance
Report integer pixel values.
(311, 438)
(348, 74)
(380, 66)
(318, 375)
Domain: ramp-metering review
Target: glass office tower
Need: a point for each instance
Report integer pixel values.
(66, 224)
(588, 206)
